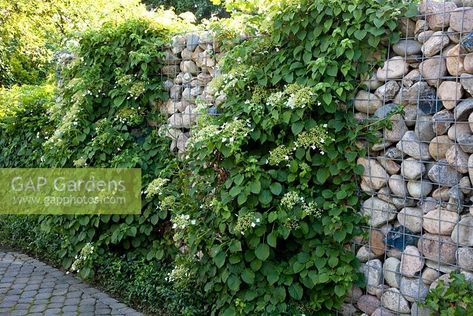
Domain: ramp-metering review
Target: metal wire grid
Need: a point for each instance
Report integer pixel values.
(386, 154)
(191, 63)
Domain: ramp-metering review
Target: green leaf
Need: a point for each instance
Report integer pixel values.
(276, 188)
(235, 246)
(272, 239)
(272, 217)
(219, 259)
(322, 175)
(297, 267)
(235, 191)
(248, 276)
(332, 262)
(265, 197)
(327, 98)
(339, 291)
(119, 100)
(296, 291)
(255, 187)
(360, 34)
(297, 127)
(238, 179)
(279, 293)
(229, 311)
(307, 57)
(233, 283)
(262, 252)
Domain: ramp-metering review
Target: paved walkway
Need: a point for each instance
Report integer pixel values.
(30, 287)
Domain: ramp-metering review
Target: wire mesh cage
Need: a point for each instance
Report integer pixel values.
(416, 187)
(191, 63)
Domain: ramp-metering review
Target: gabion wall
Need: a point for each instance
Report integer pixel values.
(191, 63)
(417, 179)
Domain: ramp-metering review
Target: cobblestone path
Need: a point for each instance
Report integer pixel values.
(30, 287)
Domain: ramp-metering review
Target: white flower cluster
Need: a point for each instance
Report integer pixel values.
(181, 221)
(178, 273)
(83, 256)
(246, 222)
(155, 187)
(292, 199)
(316, 138)
(294, 96)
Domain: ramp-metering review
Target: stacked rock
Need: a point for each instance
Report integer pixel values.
(190, 64)
(418, 176)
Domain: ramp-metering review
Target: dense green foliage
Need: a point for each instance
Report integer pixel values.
(138, 282)
(24, 124)
(32, 31)
(200, 8)
(259, 216)
(273, 193)
(105, 119)
(452, 298)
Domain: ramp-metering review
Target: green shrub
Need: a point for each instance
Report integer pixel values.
(452, 298)
(272, 208)
(146, 285)
(106, 117)
(24, 233)
(200, 8)
(24, 124)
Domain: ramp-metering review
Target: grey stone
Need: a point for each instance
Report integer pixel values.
(442, 121)
(412, 77)
(364, 254)
(407, 47)
(444, 175)
(397, 130)
(391, 272)
(435, 44)
(433, 70)
(412, 262)
(423, 37)
(457, 159)
(368, 304)
(366, 102)
(463, 109)
(419, 189)
(463, 232)
(393, 68)
(411, 145)
(384, 110)
(424, 128)
(373, 272)
(413, 289)
(466, 143)
(458, 129)
(192, 41)
(393, 300)
(397, 184)
(437, 13)
(412, 169)
(411, 218)
(388, 91)
(465, 258)
(374, 174)
(378, 211)
(189, 66)
(461, 20)
(440, 221)
(429, 275)
(438, 248)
